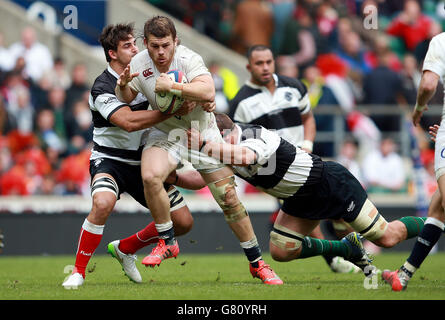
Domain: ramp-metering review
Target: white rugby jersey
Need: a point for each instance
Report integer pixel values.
(281, 111)
(435, 59)
(109, 140)
(281, 168)
(185, 60)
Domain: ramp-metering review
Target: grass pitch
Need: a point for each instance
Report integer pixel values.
(210, 277)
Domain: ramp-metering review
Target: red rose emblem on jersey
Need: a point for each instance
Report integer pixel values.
(147, 72)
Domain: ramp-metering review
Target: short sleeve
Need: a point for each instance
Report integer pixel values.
(196, 67)
(435, 58)
(240, 114)
(304, 105)
(107, 104)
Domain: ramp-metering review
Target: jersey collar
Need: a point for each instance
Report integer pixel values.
(110, 70)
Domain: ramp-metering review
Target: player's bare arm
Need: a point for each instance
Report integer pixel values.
(130, 121)
(200, 88)
(190, 179)
(122, 90)
(310, 131)
(426, 91)
(227, 153)
(187, 107)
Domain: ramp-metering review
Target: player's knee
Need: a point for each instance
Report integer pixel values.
(391, 236)
(285, 244)
(385, 241)
(102, 207)
(152, 181)
(182, 221)
(281, 255)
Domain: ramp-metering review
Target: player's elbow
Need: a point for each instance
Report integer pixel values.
(129, 126)
(429, 86)
(208, 93)
(209, 96)
(429, 82)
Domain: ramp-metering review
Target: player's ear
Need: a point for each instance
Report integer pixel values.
(112, 54)
(248, 67)
(145, 42)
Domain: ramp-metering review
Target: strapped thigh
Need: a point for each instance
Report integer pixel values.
(104, 184)
(176, 199)
(369, 222)
(285, 238)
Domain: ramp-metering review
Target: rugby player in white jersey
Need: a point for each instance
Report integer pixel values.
(119, 135)
(311, 189)
(146, 74)
(433, 70)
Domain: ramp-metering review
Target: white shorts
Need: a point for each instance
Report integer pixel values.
(175, 142)
(439, 151)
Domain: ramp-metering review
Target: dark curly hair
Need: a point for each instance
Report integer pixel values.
(112, 34)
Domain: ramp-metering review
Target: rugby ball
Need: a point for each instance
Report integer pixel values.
(168, 102)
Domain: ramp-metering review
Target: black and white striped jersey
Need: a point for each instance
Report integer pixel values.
(281, 111)
(281, 168)
(109, 140)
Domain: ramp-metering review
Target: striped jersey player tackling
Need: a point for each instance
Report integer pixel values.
(119, 135)
(281, 103)
(162, 154)
(311, 189)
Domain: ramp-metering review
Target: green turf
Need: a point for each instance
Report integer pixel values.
(210, 277)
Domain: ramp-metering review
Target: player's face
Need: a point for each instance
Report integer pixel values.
(261, 67)
(161, 51)
(126, 50)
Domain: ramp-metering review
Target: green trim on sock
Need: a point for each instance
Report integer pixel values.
(315, 247)
(413, 225)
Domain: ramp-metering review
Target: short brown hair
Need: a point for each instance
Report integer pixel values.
(160, 27)
(112, 34)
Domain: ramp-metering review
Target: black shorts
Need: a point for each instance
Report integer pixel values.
(339, 195)
(128, 177)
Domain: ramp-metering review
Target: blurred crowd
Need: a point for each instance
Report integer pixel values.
(45, 121)
(348, 53)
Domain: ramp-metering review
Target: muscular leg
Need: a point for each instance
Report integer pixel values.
(429, 236)
(288, 240)
(92, 228)
(373, 227)
(294, 229)
(228, 200)
(222, 186)
(154, 170)
(182, 223)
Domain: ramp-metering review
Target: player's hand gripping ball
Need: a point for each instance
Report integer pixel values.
(168, 102)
